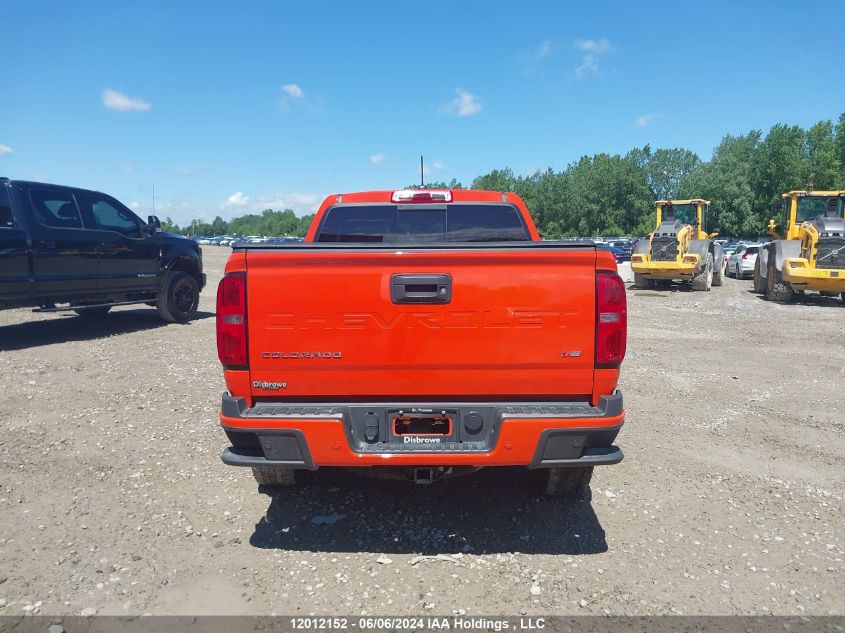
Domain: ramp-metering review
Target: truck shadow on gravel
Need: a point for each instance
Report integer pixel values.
(69, 327)
(489, 512)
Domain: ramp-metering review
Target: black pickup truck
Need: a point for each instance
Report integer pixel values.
(64, 248)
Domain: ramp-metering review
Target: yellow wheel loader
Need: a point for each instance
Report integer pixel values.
(808, 251)
(679, 248)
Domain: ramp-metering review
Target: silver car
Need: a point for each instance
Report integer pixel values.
(741, 262)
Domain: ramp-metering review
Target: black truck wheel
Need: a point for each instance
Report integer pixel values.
(572, 484)
(776, 288)
(704, 279)
(280, 477)
(179, 299)
(93, 313)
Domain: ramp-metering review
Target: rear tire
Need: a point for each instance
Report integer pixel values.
(92, 314)
(719, 275)
(180, 298)
(643, 283)
(280, 477)
(572, 484)
(759, 282)
(704, 279)
(776, 288)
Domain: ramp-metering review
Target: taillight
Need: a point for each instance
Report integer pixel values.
(746, 255)
(611, 319)
(231, 322)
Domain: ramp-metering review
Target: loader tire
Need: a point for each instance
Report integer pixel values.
(643, 283)
(280, 477)
(571, 484)
(704, 279)
(776, 288)
(759, 282)
(719, 275)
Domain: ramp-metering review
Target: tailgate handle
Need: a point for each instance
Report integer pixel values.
(421, 288)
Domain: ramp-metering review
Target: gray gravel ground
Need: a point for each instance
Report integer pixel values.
(729, 501)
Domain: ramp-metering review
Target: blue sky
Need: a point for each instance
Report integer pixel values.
(233, 107)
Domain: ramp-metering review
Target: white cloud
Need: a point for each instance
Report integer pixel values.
(126, 168)
(438, 164)
(294, 96)
(594, 46)
(115, 100)
(5, 149)
(594, 49)
(134, 205)
(293, 91)
(529, 59)
(301, 203)
(646, 119)
(543, 50)
(589, 66)
(464, 104)
(238, 199)
(377, 159)
(192, 169)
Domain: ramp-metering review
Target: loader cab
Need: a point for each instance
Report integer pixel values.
(680, 213)
(806, 206)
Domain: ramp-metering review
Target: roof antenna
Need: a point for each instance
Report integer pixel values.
(422, 173)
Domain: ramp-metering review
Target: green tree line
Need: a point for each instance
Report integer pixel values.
(612, 194)
(267, 223)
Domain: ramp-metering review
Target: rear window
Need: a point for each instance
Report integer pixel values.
(418, 224)
(752, 249)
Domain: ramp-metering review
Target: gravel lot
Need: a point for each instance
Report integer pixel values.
(729, 501)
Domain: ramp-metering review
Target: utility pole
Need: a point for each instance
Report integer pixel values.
(422, 172)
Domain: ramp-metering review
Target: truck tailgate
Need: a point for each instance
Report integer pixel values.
(323, 322)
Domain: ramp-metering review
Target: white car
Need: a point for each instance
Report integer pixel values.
(741, 263)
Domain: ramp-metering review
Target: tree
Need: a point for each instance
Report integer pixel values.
(170, 226)
(840, 145)
(727, 182)
(823, 164)
(496, 180)
(219, 226)
(777, 165)
(666, 169)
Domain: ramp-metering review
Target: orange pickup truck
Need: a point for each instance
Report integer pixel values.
(422, 334)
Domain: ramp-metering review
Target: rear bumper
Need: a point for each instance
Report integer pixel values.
(797, 271)
(537, 435)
